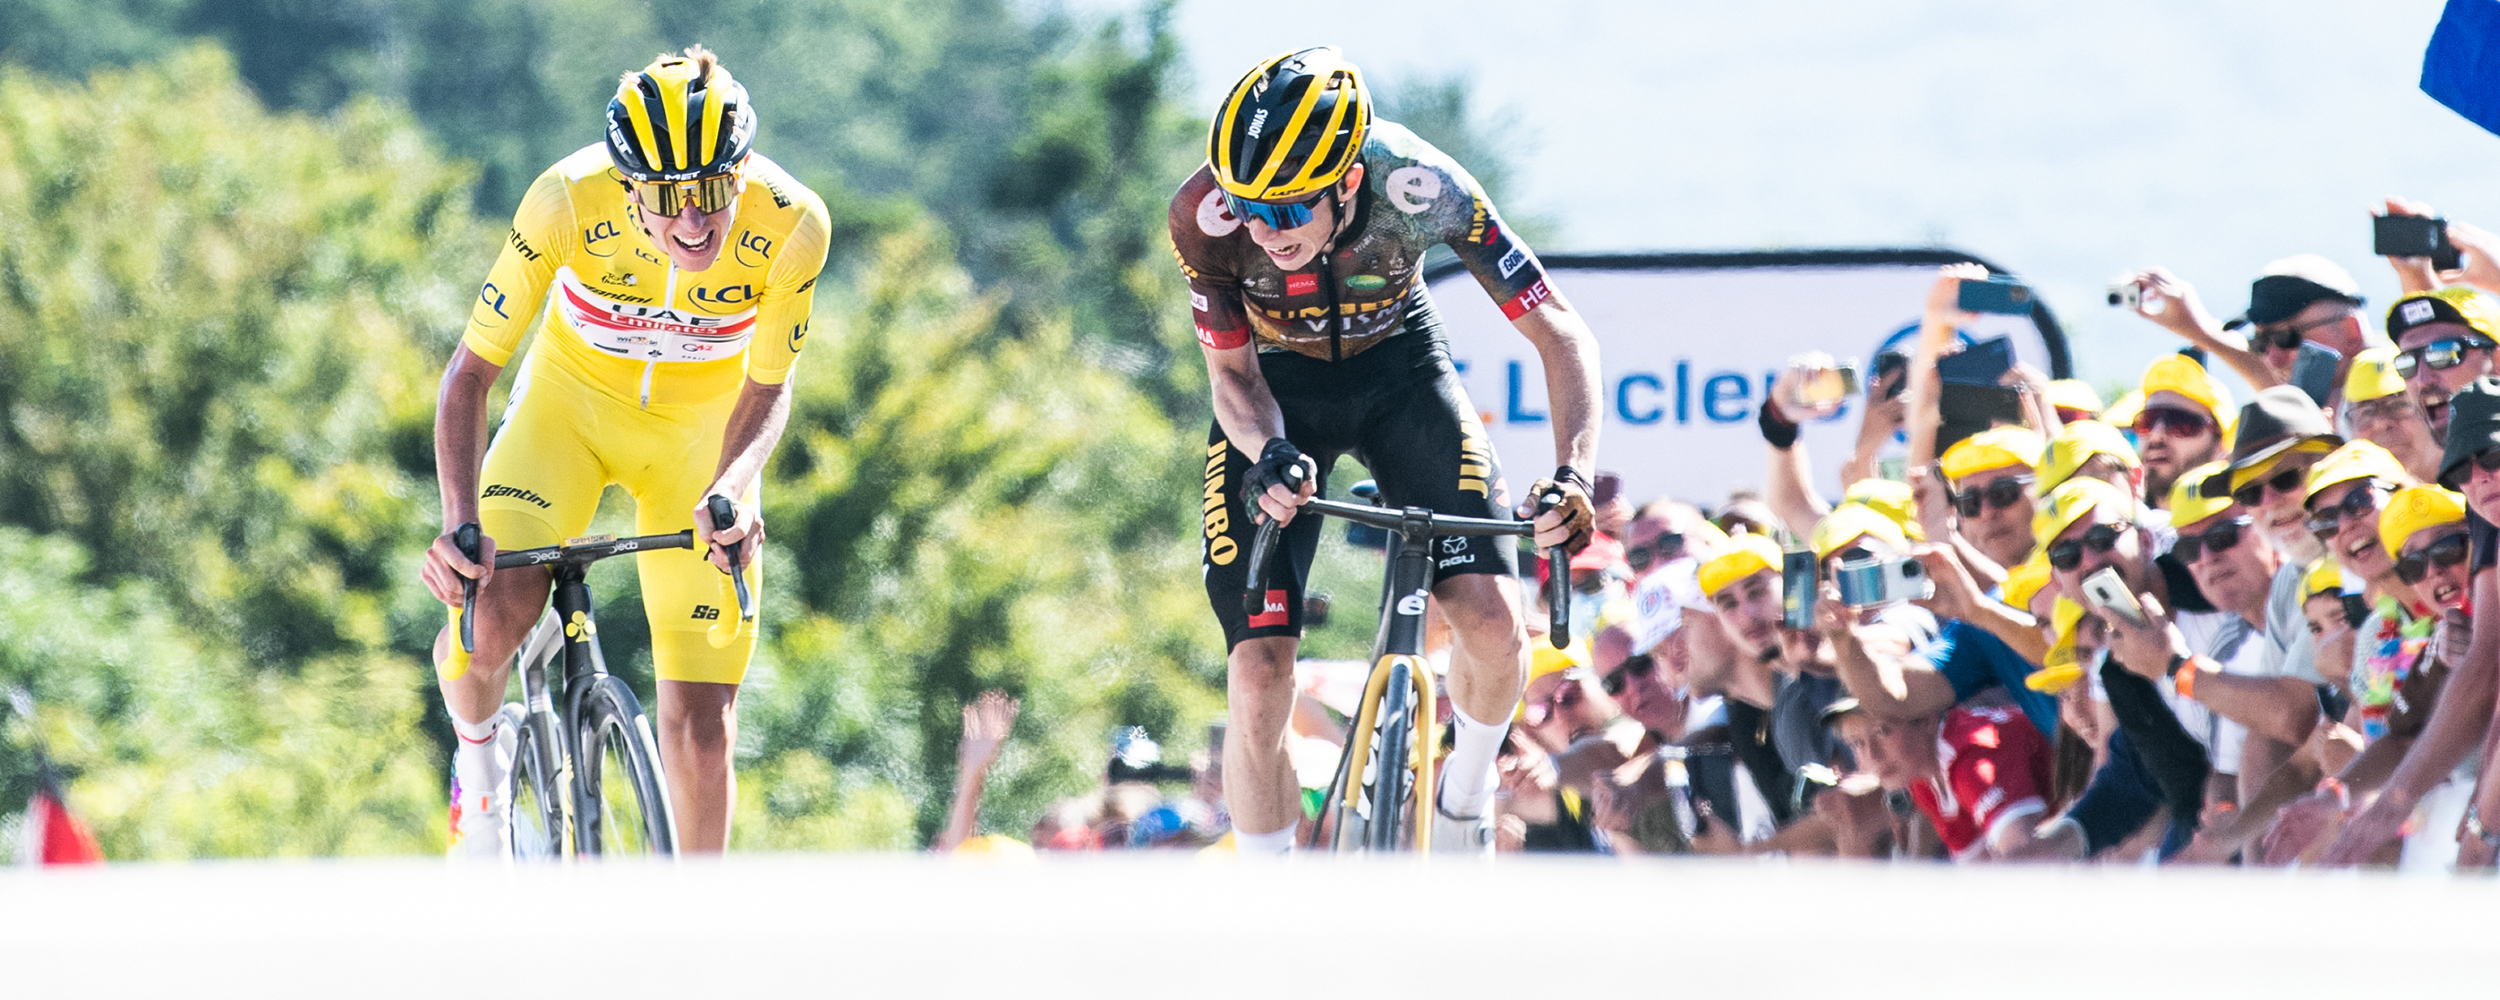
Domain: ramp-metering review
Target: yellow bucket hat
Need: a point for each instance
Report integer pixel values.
(2181, 374)
(2074, 394)
(2188, 502)
(2061, 669)
(2372, 376)
(1850, 522)
(2413, 509)
(1994, 448)
(2324, 577)
(2355, 460)
(1890, 498)
(2076, 443)
(2070, 501)
(1743, 556)
(2022, 583)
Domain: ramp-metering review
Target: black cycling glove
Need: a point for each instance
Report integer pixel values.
(1270, 470)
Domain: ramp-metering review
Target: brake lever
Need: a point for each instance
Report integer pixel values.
(466, 537)
(724, 514)
(1262, 546)
(1557, 582)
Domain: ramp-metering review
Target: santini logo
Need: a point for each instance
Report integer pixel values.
(500, 490)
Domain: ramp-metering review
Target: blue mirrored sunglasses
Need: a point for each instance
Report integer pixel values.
(1287, 215)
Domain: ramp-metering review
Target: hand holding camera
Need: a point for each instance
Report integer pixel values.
(1814, 386)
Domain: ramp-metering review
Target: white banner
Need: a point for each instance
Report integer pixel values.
(1688, 345)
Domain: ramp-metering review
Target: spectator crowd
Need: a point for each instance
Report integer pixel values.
(2173, 627)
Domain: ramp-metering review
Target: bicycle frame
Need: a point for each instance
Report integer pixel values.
(1401, 680)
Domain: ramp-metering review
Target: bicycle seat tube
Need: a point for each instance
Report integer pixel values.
(582, 658)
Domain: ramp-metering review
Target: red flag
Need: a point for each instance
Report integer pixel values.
(57, 838)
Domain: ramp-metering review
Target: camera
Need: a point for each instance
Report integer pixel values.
(2126, 294)
(1872, 581)
(1829, 386)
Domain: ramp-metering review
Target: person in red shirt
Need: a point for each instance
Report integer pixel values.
(1975, 773)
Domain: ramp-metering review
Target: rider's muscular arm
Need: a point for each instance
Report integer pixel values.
(460, 432)
(1569, 352)
(1244, 406)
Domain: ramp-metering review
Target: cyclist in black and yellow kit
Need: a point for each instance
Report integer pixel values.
(681, 266)
(1303, 239)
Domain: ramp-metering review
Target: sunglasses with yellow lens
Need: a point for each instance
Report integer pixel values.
(668, 198)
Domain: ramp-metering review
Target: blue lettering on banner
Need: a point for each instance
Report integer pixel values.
(1726, 387)
(1683, 392)
(1623, 399)
(1516, 414)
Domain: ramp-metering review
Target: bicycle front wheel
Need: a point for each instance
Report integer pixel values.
(539, 826)
(621, 802)
(1395, 758)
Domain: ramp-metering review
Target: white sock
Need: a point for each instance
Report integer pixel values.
(476, 765)
(1467, 778)
(1251, 844)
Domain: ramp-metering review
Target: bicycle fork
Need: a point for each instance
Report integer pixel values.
(1397, 723)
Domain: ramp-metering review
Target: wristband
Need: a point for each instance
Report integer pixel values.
(2183, 670)
(2474, 825)
(1776, 430)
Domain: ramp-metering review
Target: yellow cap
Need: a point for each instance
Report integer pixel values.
(2070, 501)
(1744, 556)
(1994, 448)
(2059, 669)
(2076, 443)
(2325, 577)
(2181, 374)
(2188, 504)
(1548, 660)
(2122, 413)
(2355, 460)
(1891, 498)
(2372, 376)
(2413, 509)
(2022, 583)
(2074, 394)
(1850, 522)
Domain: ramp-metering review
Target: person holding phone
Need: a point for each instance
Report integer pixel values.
(2301, 299)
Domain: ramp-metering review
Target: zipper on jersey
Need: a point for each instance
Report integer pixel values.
(669, 296)
(1336, 318)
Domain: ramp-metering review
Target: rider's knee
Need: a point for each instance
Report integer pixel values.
(1480, 608)
(1263, 665)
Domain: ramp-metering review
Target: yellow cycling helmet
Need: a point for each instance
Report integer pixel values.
(681, 118)
(1291, 127)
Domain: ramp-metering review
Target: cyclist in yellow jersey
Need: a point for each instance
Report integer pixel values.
(676, 268)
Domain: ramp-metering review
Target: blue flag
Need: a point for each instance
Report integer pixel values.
(2461, 69)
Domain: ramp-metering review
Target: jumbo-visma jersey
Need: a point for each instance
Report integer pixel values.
(627, 320)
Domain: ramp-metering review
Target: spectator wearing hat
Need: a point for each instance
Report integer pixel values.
(2237, 573)
(2074, 400)
(2181, 421)
(2461, 720)
(2444, 340)
(2347, 492)
(1978, 775)
(2281, 434)
(2300, 299)
(1986, 509)
(1744, 585)
(2378, 409)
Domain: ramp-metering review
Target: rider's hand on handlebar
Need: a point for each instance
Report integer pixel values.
(1571, 521)
(446, 569)
(1266, 479)
(748, 528)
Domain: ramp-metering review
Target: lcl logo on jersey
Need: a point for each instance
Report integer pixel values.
(726, 295)
(601, 232)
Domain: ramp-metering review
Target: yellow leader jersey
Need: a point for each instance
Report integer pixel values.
(626, 319)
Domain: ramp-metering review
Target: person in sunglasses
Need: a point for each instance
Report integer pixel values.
(2181, 422)
(1989, 480)
(2377, 408)
(2458, 724)
(2301, 299)
(1302, 237)
(682, 266)
(2281, 434)
(2443, 341)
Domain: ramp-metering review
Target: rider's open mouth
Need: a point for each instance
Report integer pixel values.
(695, 246)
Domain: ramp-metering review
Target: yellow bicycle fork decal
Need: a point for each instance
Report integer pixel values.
(1421, 734)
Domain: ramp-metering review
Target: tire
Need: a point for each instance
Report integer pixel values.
(1397, 754)
(539, 811)
(621, 800)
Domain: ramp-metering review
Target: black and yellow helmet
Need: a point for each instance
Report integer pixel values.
(680, 118)
(1291, 127)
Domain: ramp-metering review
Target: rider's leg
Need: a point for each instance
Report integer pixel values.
(473, 688)
(1488, 667)
(698, 732)
(1259, 784)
